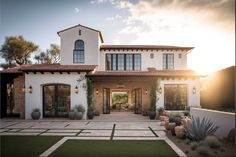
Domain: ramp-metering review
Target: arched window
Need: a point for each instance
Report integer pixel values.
(78, 53)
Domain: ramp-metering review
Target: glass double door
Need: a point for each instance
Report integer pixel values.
(137, 99)
(106, 100)
(56, 100)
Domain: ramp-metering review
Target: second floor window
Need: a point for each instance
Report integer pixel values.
(78, 53)
(123, 62)
(168, 61)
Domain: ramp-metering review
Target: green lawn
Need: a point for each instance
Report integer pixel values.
(114, 148)
(25, 146)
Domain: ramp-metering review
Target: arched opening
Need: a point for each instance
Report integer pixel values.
(56, 100)
(78, 53)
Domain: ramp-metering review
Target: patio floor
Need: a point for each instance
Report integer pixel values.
(114, 126)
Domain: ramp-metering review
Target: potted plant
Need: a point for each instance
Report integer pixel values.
(152, 112)
(152, 108)
(36, 113)
(79, 112)
(90, 113)
(71, 114)
(97, 113)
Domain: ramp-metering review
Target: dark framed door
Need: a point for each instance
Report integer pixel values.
(56, 100)
(138, 101)
(106, 100)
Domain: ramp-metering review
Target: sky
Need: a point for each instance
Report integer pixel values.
(206, 25)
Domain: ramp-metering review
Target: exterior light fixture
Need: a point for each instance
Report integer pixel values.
(23, 89)
(30, 90)
(194, 90)
(146, 91)
(160, 90)
(97, 91)
(76, 89)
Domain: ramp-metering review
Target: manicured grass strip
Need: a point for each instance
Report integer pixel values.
(113, 131)
(153, 131)
(114, 148)
(26, 146)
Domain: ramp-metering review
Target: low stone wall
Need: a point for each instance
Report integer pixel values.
(224, 120)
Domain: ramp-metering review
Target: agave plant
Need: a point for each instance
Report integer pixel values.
(199, 129)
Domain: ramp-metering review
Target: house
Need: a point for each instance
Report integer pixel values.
(56, 88)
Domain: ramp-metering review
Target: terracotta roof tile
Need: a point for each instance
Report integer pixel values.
(100, 34)
(146, 73)
(143, 47)
(50, 68)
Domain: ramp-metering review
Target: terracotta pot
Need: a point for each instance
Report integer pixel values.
(172, 128)
(180, 131)
(166, 125)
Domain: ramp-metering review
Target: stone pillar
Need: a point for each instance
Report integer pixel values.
(19, 95)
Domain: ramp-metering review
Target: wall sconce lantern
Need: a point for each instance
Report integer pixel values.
(97, 91)
(160, 90)
(146, 91)
(194, 90)
(76, 89)
(30, 89)
(23, 89)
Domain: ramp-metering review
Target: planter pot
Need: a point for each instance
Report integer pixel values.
(152, 115)
(166, 125)
(145, 113)
(90, 114)
(180, 132)
(172, 128)
(35, 115)
(71, 115)
(78, 115)
(97, 113)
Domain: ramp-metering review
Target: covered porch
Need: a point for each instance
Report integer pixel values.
(136, 90)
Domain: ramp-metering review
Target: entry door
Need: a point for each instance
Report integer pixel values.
(56, 100)
(138, 100)
(106, 100)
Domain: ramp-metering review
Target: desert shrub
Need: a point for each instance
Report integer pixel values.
(213, 142)
(203, 150)
(175, 118)
(186, 113)
(193, 145)
(199, 129)
(80, 108)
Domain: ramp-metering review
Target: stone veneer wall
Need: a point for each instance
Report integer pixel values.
(19, 96)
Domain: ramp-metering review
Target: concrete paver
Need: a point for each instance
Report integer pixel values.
(95, 133)
(131, 133)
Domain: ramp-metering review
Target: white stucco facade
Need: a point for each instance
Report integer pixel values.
(91, 40)
(94, 54)
(36, 81)
(193, 99)
(147, 61)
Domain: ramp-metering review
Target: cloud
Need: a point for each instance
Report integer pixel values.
(77, 10)
(208, 25)
(116, 17)
(103, 1)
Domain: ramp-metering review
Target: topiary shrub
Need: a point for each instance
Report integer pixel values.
(193, 145)
(212, 142)
(203, 150)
